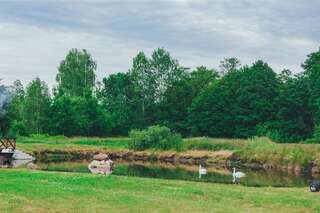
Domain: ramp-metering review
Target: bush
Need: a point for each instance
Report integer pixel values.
(157, 137)
(17, 128)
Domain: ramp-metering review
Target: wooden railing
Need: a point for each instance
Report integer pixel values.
(6, 143)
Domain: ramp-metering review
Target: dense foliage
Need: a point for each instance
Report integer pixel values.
(234, 101)
(157, 137)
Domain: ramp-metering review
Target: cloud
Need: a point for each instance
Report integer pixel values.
(36, 35)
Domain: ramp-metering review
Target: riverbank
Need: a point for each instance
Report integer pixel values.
(255, 153)
(29, 191)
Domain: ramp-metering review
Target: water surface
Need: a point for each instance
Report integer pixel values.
(215, 174)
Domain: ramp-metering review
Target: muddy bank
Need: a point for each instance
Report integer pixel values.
(189, 157)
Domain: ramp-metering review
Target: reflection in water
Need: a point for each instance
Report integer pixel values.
(18, 163)
(202, 171)
(184, 172)
(14, 159)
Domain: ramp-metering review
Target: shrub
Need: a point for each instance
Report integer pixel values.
(17, 128)
(157, 137)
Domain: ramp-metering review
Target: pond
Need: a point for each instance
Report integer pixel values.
(215, 174)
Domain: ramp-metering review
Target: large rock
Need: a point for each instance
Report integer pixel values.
(101, 167)
(101, 157)
(19, 155)
(20, 158)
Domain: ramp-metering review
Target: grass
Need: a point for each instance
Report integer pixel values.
(265, 151)
(42, 142)
(212, 144)
(261, 150)
(28, 191)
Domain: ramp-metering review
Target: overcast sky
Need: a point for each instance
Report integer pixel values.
(36, 35)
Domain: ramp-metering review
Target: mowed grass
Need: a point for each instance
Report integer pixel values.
(42, 142)
(30, 191)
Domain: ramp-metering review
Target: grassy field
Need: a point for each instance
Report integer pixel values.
(28, 191)
(254, 150)
(41, 142)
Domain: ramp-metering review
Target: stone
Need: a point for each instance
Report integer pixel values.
(101, 167)
(101, 157)
(19, 155)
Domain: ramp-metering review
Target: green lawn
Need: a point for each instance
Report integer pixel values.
(38, 143)
(29, 191)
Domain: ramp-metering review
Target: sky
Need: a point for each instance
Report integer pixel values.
(36, 35)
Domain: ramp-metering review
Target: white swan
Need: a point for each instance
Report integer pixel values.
(202, 171)
(237, 175)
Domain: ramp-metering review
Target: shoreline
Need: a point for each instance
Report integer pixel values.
(223, 158)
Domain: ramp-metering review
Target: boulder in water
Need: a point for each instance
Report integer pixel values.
(19, 155)
(101, 167)
(20, 158)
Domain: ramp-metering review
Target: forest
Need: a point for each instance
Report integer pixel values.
(233, 101)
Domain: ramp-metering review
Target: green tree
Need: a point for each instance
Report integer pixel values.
(76, 73)
(15, 110)
(173, 109)
(312, 73)
(235, 105)
(229, 65)
(293, 121)
(36, 107)
(63, 115)
(91, 119)
(211, 112)
(144, 88)
(165, 70)
(151, 78)
(73, 116)
(255, 98)
(117, 96)
(179, 95)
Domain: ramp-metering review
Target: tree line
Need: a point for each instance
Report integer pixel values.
(234, 101)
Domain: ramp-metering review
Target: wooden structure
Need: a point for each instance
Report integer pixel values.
(7, 148)
(8, 144)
